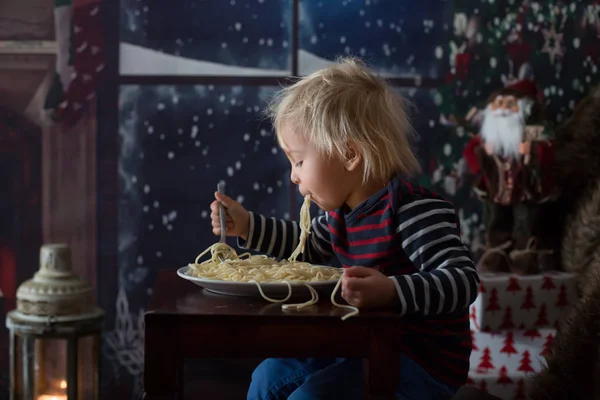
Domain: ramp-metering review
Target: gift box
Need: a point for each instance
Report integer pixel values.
(508, 301)
(501, 362)
(505, 387)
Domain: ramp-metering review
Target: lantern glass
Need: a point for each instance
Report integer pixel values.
(51, 368)
(88, 360)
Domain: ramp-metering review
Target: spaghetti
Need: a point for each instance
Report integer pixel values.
(304, 228)
(259, 269)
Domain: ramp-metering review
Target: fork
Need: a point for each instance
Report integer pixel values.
(222, 217)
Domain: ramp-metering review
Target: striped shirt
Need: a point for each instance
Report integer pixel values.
(413, 236)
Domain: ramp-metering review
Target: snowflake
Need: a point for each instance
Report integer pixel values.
(553, 44)
(591, 16)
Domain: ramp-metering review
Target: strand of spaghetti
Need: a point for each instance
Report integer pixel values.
(354, 310)
(274, 300)
(304, 228)
(314, 299)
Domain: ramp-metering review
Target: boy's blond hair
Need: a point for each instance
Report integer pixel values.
(347, 103)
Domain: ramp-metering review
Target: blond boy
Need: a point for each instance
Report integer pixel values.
(347, 136)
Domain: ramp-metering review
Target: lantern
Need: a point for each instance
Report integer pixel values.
(55, 333)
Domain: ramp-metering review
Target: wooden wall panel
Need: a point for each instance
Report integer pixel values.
(69, 191)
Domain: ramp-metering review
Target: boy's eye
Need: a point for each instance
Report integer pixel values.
(299, 164)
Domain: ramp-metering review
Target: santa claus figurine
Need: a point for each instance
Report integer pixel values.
(511, 158)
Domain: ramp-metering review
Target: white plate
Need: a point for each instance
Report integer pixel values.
(276, 290)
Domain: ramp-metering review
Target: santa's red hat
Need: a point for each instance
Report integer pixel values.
(526, 87)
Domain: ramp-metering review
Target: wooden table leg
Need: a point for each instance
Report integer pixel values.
(162, 364)
(383, 373)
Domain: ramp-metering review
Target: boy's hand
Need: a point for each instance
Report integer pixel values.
(237, 220)
(368, 288)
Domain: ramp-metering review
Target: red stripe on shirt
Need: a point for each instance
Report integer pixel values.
(378, 212)
(368, 227)
(336, 216)
(361, 242)
(365, 256)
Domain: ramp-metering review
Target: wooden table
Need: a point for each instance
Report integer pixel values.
(185, 321)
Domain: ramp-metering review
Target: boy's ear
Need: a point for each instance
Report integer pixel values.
(353, 158)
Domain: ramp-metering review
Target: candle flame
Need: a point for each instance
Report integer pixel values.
(63, 384)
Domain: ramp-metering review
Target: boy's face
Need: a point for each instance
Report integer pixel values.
(327, 180)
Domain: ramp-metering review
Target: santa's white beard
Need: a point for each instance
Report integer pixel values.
(503, 131)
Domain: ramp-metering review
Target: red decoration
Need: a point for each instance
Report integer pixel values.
(562, 297)
(486, 360)
(518, 52)
(520, 391)
(525, 362)
(472, 160)
(462, 65)
(493, 301)
(483, 386)
(481, 288)
(88, 62)
(548, 283)
(547, 350)
(473, 345)
(470, 381)
(542, 319)
(532, 333)
(507, 322)
(503, 376)
(473, 316)
(528, 303)
(509, 347)
(513, 284)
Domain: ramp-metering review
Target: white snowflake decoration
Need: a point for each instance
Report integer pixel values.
(591, 17)
(125, 345)
(553, 44)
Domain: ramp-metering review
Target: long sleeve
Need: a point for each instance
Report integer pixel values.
(279, 238)
(447, 280)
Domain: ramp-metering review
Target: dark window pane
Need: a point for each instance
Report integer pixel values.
(177, 143)
(399, 38)
(229, 37)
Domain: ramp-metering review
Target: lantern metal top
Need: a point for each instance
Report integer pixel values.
(55, 293)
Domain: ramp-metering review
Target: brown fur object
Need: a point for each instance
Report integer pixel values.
(573, 370)
(577, 145)
(581, 240)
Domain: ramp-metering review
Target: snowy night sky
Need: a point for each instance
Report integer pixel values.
(244, 33)
(396, 41)
(255, 35)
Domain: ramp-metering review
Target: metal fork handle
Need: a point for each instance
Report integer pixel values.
(222, 213)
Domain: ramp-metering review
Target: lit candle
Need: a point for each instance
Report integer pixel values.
(60, 396)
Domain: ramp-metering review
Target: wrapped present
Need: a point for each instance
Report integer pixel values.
(501, 362)
(505, 387)
(508, 301)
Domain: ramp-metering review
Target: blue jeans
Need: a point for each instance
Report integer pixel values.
(336, 378)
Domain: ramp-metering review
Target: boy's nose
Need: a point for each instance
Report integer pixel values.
(294, 178)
